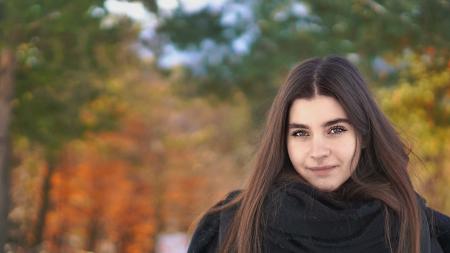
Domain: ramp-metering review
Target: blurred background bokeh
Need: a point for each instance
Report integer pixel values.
(122, 121)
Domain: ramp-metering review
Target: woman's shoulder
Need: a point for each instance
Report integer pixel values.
(208, 231)
(438, 226)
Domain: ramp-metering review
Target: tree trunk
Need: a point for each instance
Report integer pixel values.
(7, 67)
(158, 202)
(93, 232)
(38, 234)
(159, 191)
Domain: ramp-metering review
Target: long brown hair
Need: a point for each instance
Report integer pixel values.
(381, 171)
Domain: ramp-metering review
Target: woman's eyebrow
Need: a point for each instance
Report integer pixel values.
(326, 124)
(335, 121)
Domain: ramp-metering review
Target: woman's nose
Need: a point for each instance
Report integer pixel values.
(319, 149)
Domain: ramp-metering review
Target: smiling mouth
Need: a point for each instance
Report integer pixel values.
(322, 168)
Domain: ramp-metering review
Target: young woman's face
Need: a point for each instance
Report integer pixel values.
(321, 142)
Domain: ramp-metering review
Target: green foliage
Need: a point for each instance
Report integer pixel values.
(288, 31)
(188, 30)
(63, 50)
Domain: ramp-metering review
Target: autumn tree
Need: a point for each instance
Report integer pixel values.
(100, 199)
(53, 56)
(419, 106)
(161, 163)
(187, 143)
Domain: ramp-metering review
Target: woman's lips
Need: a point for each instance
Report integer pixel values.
(322, 170)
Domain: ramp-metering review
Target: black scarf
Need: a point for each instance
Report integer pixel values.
(302, 219)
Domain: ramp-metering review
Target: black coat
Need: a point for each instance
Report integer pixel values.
(301, 219)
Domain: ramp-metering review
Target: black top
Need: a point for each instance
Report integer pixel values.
(301, 219)
(442, 228)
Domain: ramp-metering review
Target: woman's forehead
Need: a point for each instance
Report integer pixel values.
(316, 110)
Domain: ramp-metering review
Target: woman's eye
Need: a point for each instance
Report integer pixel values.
(300, 133)
(337, 130)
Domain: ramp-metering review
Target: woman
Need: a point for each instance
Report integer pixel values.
(330, 176)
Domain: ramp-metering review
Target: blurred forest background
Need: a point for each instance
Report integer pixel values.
(120, 122)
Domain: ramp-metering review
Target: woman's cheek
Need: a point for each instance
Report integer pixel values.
(297, 153)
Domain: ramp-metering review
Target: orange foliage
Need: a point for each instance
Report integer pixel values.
(169, 160)
(99, 197)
